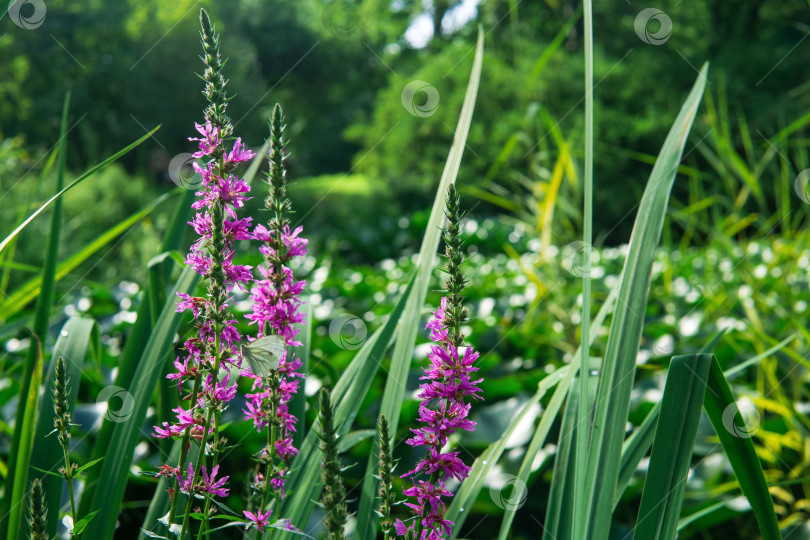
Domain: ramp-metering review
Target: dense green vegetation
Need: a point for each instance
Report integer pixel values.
(730, 276)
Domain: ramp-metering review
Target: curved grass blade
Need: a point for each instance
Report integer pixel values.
(691, 518)
(18, 473)
(125, 434)
(90, 172)
(672, 448)
(735, 437)
(617, 373)
(20, 451)
(77, 337)
(140, 331)
(637, 445)
(17, 301)
(403, 349)
(24, 209)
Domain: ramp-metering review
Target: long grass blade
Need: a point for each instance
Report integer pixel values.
(10, 510)
(637, 445)
(563, 378)
(617, 373)
(735, 437)
(138, 335)
(127, 431)
(403, 349)
(18, 473)
(90, 172)
(672, 449)
(7, 256)
(26, 292)
(584, 401)
(565, 446)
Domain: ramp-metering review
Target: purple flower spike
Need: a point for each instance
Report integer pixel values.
(276, 311)
(444, 409)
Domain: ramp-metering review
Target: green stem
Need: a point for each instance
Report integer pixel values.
(434, 477)
(69, 479)
(201, 453)
(271, 446)
(582, 493)
(216, 292)
(183, 453)
(215, 458)
(197, 467)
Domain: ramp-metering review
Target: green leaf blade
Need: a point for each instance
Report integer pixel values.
(735, 438)
(672, 448)
(617, 373)
(125, 434)
(394, 392)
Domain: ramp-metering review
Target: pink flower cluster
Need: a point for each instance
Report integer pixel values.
(207, 484)
(225, 193)
(443, 411)
(276, 303)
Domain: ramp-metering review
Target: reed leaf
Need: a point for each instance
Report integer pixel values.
(617, 373)
(394, 392)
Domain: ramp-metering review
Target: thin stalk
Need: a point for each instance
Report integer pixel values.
(386, 469)
(434, 477)
(183, 453)
(271, 449)
(69, 479)
(205, 525)
(581, 493)
(62, 424)
(201, 453)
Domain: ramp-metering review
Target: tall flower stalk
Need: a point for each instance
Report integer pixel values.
(333, 496)
(215, 345)
(386, 493)
(276, 311)
(444, 408)
(71, 471)
(61, 424)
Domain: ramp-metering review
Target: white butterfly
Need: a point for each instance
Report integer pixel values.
(263, 354)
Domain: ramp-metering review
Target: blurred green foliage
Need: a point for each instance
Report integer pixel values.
(340, 69)
(363, 166)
